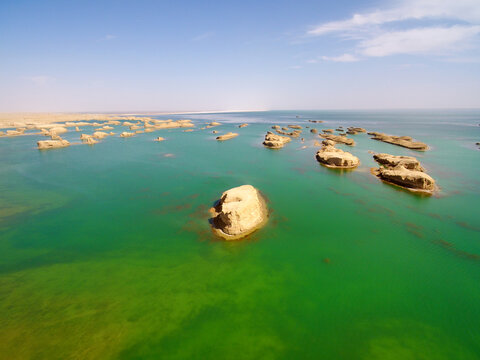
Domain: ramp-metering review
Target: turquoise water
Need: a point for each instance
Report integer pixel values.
(106, 251)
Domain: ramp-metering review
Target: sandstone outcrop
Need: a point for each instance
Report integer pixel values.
(100, 135)
(227, 136)
(316, 121)
(409, 179)
(127, 134)
(332, 157)
(313, 131)
(214, 123)
(404, 141)
(339, 139)
(327, 130)
(239, 212)
(274, 141)
(52, 144)
(242, 125)
(295, 127)
(391, 161)
(403, 171)
(159, 139)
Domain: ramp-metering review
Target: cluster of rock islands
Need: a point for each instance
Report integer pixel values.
(242, 210)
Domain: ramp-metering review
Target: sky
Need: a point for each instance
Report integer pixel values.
(143, 56)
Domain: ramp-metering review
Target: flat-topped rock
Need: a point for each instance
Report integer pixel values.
(239, 212)
(159, 139)
(408, 162)
(356, 129)
(339, 139)
(274, 141)
(227, 136)
(127, 134)
(313, 131)
(52, 144)
(100, 135)
(214, 123)
(327, 130)
(316, 121)
(404, 141)
(294, 133)
(294, 126)
(242, 125)
(410, 179)
(332, 157)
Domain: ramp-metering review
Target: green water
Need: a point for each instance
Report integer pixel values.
(106, 251)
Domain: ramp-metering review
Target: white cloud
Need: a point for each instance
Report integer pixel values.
(377, 36)
(464, 10)
(341, 58)
(418, 41)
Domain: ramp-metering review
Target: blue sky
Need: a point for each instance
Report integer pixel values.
(216, 55)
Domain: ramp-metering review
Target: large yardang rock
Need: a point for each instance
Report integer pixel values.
(403, 171)
(242, 125)
(227, 136)
(391, 161)
(100, 135)
(295, 127)
(239, 212)
(410, 179)
(58, 130)
(338, 139)
(404, 141)
(159, 139)
(52, 144)
(214, 123)
(274, 141)
(332, 157)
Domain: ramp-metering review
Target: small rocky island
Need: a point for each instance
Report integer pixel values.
(239, 212)
(338, 139)
(274, 141)
(332, 157)
(403, 171)
(404, 141)
(227, 136)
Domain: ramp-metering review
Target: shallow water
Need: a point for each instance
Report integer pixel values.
(106, 251)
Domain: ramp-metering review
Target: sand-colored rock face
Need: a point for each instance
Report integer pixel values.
(17, 132)
(239, 212)
(391, 161)
(332, 157)
(409, 179)
(338, 139)
(274, 141)
(127, 134)
(313, 131)
(214, 123)
(404, 141)
(242, 125)
(294, 133)
(327, 130)
(159, 139)
(403, 171)
(100, 135)
(355, 130)
(226, 136)
(89, 140)
(52, 144)
(295, 127)
(58, 130)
